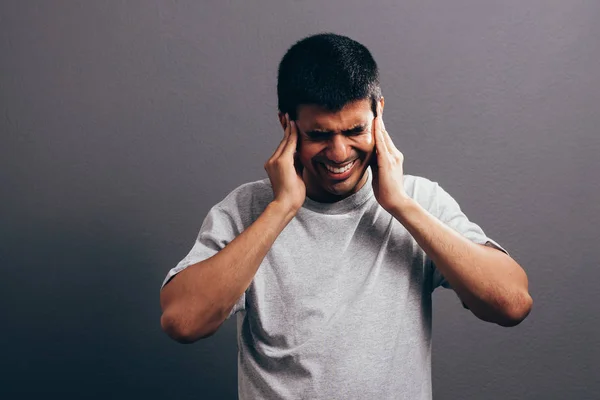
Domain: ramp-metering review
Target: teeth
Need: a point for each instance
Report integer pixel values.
(339, 170)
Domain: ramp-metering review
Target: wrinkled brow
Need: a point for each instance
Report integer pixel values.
(355, 129)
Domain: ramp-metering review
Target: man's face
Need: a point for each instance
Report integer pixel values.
(338, 139)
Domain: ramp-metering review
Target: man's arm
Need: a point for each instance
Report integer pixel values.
(488, 281)
(199, 298)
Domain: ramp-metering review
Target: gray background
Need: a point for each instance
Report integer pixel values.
(122, 123)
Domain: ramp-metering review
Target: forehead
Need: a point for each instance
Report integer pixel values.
(313, 117)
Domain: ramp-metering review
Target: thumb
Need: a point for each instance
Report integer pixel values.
(298, 165)
(373, 162)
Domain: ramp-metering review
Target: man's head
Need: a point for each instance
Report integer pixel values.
(329, 84)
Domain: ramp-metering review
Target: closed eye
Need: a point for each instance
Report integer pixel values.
(319, 135)
(355, 132)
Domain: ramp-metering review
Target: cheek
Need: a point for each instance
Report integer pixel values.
(306, 152)
(366, 143)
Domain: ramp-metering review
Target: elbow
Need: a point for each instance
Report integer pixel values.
(183, 331)
(517, 312)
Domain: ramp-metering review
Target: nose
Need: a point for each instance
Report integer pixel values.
(337, 150)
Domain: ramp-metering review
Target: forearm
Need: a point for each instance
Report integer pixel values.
(489, 282)
(199, 298)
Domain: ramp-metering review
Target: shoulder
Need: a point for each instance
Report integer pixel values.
(423, 190)
(247, 200)
(250, 191)
(414, 182)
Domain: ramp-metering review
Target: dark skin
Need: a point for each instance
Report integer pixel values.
(334, 138)
(198, 299)
(489, 282)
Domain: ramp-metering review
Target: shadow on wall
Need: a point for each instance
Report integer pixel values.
(81, 318)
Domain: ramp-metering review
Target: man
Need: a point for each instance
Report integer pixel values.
(329, 264)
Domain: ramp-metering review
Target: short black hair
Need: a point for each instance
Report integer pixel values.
(328, 70)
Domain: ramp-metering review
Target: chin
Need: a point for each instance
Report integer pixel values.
(332, 190)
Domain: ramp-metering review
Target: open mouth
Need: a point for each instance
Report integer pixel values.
(339, 173)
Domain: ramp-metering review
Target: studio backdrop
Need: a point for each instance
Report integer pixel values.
(123, 123)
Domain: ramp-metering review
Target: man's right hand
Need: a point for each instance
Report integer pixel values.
(285, 170)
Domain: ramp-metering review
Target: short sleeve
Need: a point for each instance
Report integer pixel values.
(218, 229)
(447, 210)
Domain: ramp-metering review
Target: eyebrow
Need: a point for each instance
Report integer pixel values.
(355, 129)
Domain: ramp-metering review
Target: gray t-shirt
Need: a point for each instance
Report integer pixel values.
(340, 307)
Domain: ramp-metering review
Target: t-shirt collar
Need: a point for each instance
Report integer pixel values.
(348, 204)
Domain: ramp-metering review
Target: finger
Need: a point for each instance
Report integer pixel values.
(283, 142)
(291, 148)
(388, 140)
(380, 146)
(379, 128)
(298, 164)
(373, 162)
(292, 139)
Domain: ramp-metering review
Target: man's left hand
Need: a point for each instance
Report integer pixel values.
(386, 164)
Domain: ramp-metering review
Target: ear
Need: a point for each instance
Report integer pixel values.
(282, 120)
(381, 104)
